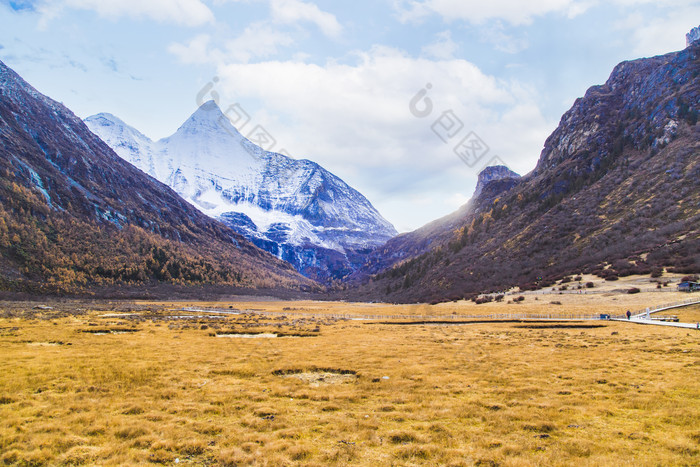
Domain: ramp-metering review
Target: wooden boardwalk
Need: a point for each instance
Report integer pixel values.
(644, 316)
(668, 306)
(366, 317)
(638, 317)
(658, 323)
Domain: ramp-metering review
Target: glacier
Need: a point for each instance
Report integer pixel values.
(295, 209)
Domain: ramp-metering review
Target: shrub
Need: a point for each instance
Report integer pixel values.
(402, 437)
(590, 285)
(520, 299)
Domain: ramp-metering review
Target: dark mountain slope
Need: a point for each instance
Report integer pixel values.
(408, 245)
(74, 214)
(616, 191)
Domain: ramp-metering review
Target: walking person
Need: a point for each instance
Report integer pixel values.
(629, 314)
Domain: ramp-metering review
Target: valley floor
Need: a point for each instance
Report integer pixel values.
(300, 383)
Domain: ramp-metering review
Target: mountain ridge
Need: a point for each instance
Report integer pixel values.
(292, 208)
(614, 192)
(70, 218)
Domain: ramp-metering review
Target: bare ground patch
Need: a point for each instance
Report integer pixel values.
(319, 376)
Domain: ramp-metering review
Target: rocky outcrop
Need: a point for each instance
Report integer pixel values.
(491, 174)
(640, 106)
(692, 36)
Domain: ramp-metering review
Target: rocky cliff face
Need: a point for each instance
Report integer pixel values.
(492, 174)
(615, 192)
(73, 214)
(692, 36)
(640, 105)
(294, 209)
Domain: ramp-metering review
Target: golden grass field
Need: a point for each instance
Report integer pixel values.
(135, 384)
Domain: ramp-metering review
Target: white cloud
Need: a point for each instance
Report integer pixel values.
(294, 11)
(259, 40)
(660, 34)
(354, 119)
(479, 11)
(185, 12)
(495, 34)
(196, 51)
(660, 3)
(443, 48)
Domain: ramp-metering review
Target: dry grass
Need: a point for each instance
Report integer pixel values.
(352, 392)
(606, 297)
(686, 315)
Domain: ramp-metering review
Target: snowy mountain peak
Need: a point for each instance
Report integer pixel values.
(209, 118)
(107, 119)
(209, 106)
(126, 141)
(293, 208)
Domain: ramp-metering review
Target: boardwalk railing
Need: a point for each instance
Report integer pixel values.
(668, 306)
(448, 318)
(586, 291)
(427, 318)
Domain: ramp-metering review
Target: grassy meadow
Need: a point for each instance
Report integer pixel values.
(148, 383)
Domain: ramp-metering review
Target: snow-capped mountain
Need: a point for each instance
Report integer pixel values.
(292, 208)
(76, 218)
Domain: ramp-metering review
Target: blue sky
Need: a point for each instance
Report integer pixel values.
(333, 81)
